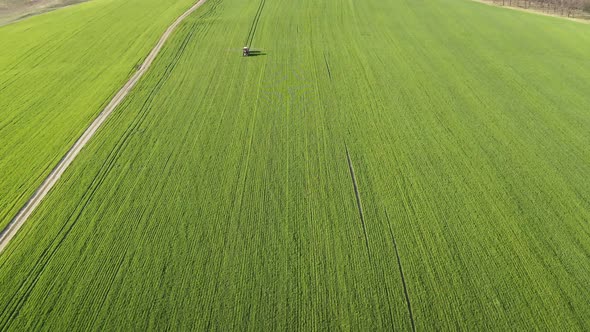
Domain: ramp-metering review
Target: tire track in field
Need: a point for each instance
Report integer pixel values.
(401, 272)
(254, 25)
(358, 199)
(362, 217)
(18, 221)
(374, 267)
(328, 67)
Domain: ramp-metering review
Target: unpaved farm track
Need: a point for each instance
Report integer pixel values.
(18, 221)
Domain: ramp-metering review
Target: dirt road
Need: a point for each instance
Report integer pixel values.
(18, 221)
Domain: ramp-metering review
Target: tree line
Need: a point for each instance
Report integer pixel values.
(567, 8)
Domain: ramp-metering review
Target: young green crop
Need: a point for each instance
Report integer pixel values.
(221, 194)
(57, 71)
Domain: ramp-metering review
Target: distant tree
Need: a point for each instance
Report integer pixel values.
(569, 8)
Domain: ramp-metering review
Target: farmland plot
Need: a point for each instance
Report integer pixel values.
(13, 10)
(377, 165)
(57, 71)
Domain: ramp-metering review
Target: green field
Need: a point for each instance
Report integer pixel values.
(381, 164)
(15, 10)
(57, 71)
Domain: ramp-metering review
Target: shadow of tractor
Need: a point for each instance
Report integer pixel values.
(256, 53)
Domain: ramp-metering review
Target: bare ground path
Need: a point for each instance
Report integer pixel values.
(18, 221)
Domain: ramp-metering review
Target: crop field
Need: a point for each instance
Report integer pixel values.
(57, 72)
(376, 165)
(14, 10)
